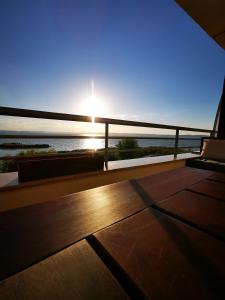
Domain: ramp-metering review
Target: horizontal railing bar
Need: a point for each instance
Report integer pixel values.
(35, 136)
(188, 147)
(38, 114)
(27, 113)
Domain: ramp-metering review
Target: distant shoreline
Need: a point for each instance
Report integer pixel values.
(87, 143)
(23, 146)
(21, 134)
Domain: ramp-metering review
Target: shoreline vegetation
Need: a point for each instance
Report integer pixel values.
(125, 149)
(23, 146)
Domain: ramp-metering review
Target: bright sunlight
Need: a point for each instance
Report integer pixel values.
(93, 106)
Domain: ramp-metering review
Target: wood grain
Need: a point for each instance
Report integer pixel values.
(163, 185)
(30, 234)
(210, 188)
(166, 258)
(217, 177)
(74, 273)
(203, 211)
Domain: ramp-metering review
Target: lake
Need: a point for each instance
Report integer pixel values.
(91, 143)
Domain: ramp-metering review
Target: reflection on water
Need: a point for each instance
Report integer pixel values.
(93, 143)
(89, 143)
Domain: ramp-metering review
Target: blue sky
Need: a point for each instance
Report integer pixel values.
(149, 60)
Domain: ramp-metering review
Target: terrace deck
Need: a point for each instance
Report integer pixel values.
(157, 237)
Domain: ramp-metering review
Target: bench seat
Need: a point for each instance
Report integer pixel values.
(207, 164)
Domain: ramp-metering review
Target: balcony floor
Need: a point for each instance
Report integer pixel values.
(157, 237)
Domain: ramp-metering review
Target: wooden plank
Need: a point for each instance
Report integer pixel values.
(74, 273)
(217, 177)
(163, 185)
(166, 258)
(206, 212)
(29, 234)
(210, 188)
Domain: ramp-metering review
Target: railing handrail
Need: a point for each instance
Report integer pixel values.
(28, 113)
(113, 137)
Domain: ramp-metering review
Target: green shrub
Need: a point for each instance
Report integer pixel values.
(36, 153)
(11, 165)
(128, 148)
(8, 166)
(127, 144)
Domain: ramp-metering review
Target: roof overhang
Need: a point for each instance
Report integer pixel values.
(210, 15)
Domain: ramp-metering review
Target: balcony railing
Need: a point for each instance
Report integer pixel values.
(17, 112)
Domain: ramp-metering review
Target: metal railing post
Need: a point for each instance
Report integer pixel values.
(176, 143)
(106, 144)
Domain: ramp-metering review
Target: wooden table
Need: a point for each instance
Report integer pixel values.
(74, 273)
(158, 237)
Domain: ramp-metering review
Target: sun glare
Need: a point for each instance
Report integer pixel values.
(93, 106)
(93, 143)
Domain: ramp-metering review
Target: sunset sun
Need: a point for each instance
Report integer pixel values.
(93, 105)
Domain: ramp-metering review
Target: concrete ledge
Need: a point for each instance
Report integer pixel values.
(126, 163)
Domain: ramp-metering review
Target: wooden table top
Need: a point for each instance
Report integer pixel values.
(203, 211)
(160, 186)
(217, 177)
(32, 233)
(166, 258)
(210, 188)
(129, 228)
(74, 273)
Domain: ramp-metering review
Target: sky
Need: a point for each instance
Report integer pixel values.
(149, 61)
